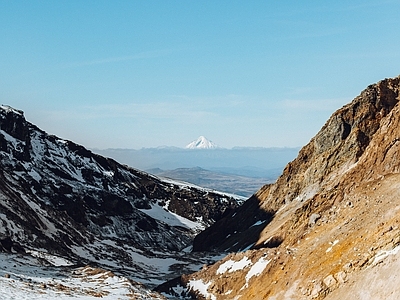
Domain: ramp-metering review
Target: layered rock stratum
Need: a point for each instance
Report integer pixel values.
(328, 228)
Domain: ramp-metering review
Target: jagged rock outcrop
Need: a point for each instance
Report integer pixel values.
(320, 165)
(330, 215)
(57, 195)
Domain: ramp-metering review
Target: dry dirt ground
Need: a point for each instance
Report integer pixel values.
(379, 282)
(348, 252)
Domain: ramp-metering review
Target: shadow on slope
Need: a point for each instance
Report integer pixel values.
(238, 230)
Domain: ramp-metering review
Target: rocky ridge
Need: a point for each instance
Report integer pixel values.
(58, 197)
(330, 217)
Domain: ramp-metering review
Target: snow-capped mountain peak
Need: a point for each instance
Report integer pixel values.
(201, 143)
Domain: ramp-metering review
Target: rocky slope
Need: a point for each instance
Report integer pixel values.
(56, 196)
(328, 225)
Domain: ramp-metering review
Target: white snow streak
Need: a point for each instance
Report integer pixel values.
(162, 214)
(202, 288)
(232, 266)
(257, 268)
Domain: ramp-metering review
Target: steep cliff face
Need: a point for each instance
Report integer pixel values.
(331, 215)
(338, 145)
(58, 196)
(321, 164)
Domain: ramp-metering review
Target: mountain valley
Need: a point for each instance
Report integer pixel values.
(240, 170)
(243, 186)
(60, 199)
(327, 228)
(243, 161)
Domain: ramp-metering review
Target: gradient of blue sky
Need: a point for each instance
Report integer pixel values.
(132, 74)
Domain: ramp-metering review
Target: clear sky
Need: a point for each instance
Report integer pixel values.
(133, 74)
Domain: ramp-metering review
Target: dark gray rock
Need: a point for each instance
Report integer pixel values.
(57, 195)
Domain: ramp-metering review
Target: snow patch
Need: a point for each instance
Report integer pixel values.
(10, 109)
(257, 268)
(232, 266)
(11, 139)
(258, 223)
(54, 260)
(162, 214)
(309, 192)
(383, 254)
(42, 214)
(25, 278)
(248, 247)
(333, 244)
(202, 288)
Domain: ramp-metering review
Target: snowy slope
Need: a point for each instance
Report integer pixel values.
(60, 198)
(28, 277)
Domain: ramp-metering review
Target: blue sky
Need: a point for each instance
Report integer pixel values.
(133, 74)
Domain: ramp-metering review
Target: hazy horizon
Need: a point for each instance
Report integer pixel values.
(180, 147)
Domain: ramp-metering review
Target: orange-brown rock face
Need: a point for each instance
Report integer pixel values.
(328, 219)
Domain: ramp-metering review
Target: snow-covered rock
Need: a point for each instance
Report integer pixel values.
(60, 198)
(201, 143)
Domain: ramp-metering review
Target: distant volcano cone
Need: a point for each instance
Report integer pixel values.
(201, 143)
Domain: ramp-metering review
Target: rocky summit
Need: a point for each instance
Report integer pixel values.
(328, 228)
(58, 198)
